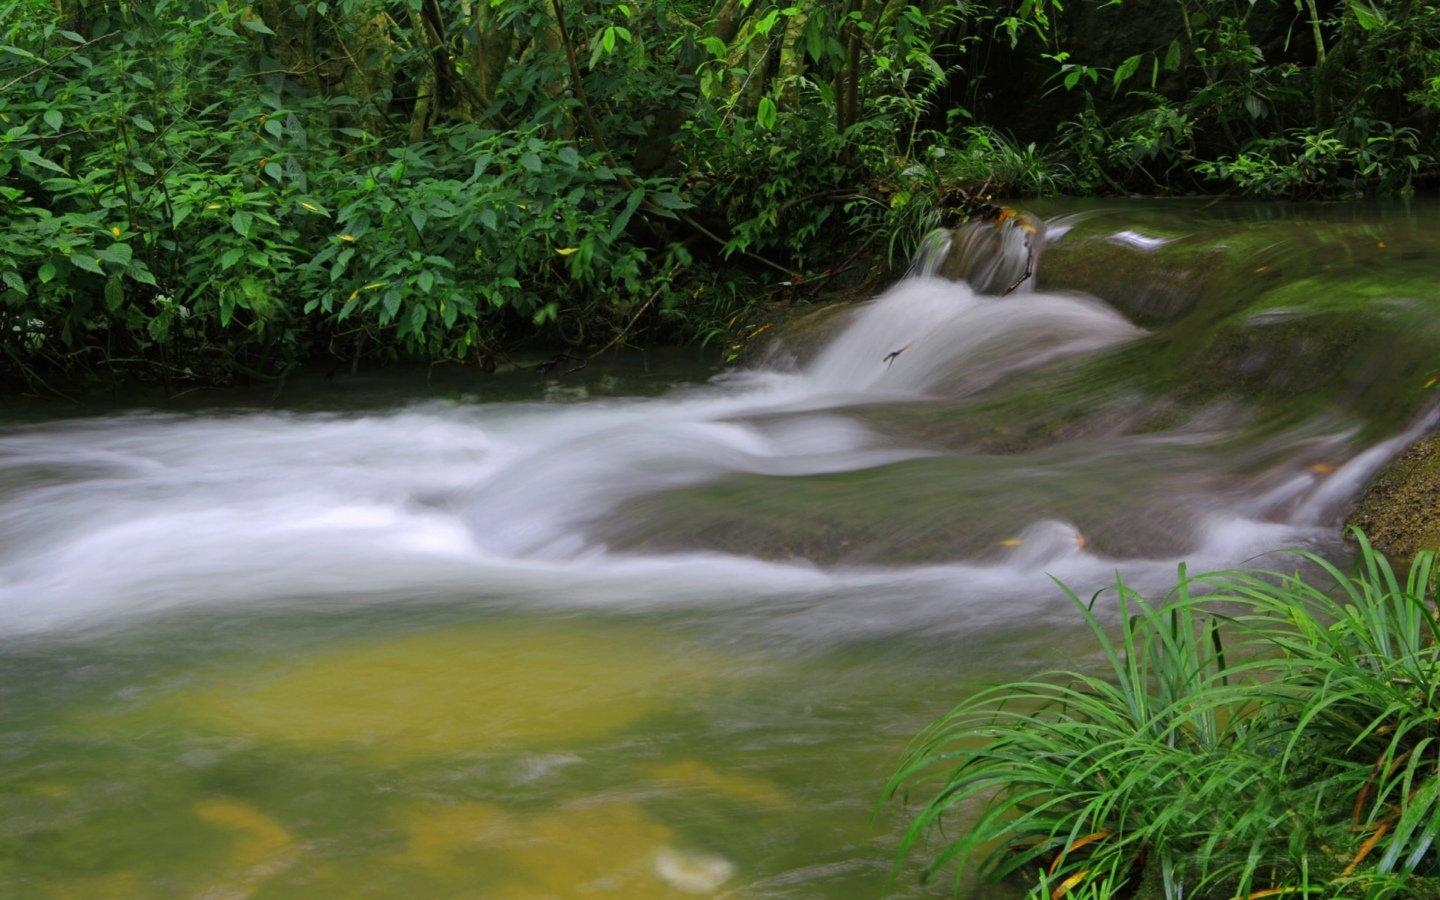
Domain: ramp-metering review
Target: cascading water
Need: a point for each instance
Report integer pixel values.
(380, 643)
(108, 518)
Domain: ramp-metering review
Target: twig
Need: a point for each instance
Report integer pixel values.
(43, 66)
(633, 319)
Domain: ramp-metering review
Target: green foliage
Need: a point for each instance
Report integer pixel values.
(1298, 754)
(1254, 100)
(204, 189)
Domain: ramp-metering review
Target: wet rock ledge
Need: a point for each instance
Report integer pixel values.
(1400, 509)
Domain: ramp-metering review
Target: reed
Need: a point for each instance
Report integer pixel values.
(1251, 734)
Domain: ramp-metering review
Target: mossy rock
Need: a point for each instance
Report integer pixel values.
(1400, 510)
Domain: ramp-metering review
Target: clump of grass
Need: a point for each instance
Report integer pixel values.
(1307, 763)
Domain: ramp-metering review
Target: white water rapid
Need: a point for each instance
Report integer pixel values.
(106, 520)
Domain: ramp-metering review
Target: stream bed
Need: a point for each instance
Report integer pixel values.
(655, 629)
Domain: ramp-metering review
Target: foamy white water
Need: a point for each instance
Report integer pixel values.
(109, 520)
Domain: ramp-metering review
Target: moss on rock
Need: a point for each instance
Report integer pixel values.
(1400, 510)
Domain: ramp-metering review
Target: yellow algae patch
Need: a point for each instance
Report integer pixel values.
(441, 833)
(115, 886)
(696, 775)
(262, 850)
(51, 789)
(608, 849)
(480, 687)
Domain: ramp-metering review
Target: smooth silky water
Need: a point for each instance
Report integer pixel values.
(649, 630)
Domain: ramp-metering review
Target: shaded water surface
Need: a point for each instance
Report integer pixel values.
(652, 630)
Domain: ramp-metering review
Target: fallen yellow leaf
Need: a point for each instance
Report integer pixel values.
(1011, 542)
(348, 238)
(1322, 468)
(1068, 883)
(566, 251)
(1090, 838)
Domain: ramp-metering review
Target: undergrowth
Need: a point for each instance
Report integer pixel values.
(1252, 734)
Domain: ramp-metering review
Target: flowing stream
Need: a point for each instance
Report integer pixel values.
(651, 630)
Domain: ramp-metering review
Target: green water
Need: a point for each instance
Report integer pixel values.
(438, 753)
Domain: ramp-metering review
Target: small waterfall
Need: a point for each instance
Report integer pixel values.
(965, 316)
(997, 252)
(931, 254)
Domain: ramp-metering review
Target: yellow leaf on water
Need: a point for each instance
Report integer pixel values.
(1322, 468)
(566, 251)
(1434, 380)
(1011, 542)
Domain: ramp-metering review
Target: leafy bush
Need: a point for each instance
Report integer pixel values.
(1270, 736)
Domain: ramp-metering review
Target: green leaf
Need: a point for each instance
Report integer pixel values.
(632, 203)
(669, 200)
(531, 162)
(143, 167)
(569, 155)
(54, 118)
(1366, 15)
(274, 171)
(231, 257)
(487, 218)
(12, 278)
(338, 268)
(256, 26)
(274, 127)
(121, 254)
(426, 280)
(46, 273)
(143, 123)
(1172, 56)
(86, 262)
(36, 159)
(766, 113)
(114, 293)
(241, 222)
(1126, 69)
